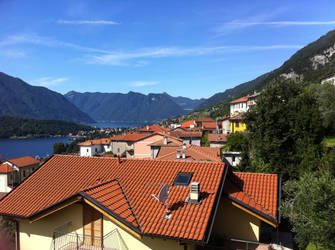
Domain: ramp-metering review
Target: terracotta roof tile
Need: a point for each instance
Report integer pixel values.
(103, 141)
(129, 137)
(193, 153)
(217, 137)
(185, 134)
(242, 99)
(188, 124)
(153, 128)
(6, 168)
(255, 190)
(24, 161)
(209, 125)
(207, 119)
(140, 179)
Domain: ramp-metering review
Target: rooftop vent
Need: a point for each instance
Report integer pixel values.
(194, 192)
(178, 154)
(165, 140)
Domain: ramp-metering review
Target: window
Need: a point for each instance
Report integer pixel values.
(87, 150)
(118, 150)
(24, 173)
(96, 150)
(182, 179)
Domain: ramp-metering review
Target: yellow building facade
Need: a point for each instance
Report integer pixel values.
(230, 221)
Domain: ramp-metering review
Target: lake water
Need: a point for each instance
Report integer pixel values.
(11, 148)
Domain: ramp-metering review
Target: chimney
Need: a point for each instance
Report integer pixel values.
(178, 154)
(147, 127)
(194, 192)
(184, 151)
(165, 140)
(118, 159)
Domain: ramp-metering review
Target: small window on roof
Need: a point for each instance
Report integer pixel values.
(182, 179)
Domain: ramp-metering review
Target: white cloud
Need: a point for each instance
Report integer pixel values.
(123, 58)
(228, 27)
(143, 83)
(49, 81)
(89, 22)
(11, 53)
(44, 41)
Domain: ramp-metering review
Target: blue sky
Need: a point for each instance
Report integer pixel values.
(188, 48)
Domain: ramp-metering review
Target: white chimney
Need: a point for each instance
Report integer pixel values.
(194, 192)
(184, 152)
(178, 154)
(165, 140)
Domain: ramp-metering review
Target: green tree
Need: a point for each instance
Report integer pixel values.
(204, 141)
(310, 207)
(285, 127)
(59, 148)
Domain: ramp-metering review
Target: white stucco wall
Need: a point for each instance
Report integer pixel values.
(238, 107)
(4, 183)
(90, 150)
(194, 141)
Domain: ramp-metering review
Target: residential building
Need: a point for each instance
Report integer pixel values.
(189, 124)
(239, 105)
(167, 141)
(217, 140)
(14, 171)
(330, 79)
(233, 158)
(236, 123)
(189, 153)
(153, 129)
(199, 121)
(210, 127)
(142, 147)
(109, 203)
(95, 147)
(225, 125)
(123, 144)
(188, 136)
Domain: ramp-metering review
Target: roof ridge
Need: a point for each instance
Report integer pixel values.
(253, 173)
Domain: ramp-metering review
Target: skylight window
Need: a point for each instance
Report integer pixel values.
(182, 179)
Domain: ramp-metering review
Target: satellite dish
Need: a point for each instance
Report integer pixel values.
(163, 196)
(163, 193)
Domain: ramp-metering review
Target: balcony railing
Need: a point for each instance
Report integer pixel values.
(74, 241)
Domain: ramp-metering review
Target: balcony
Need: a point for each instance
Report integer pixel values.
(74, 241)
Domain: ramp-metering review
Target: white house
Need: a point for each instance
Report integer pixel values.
(95, 147)
(14, 171)
(330, 79)
(233, 158)
(188, 137)
(243, 104)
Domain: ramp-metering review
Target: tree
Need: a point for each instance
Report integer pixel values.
(285, 127)
(59, 148)
(310, 207)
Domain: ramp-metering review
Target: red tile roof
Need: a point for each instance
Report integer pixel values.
(112, 196)
(255, 191)
(103, 141)
(153, 128)
(185, 134)
(129, 137)
(188, 124)
(24, 161)
(140, 179)
(171, 142)
(207, 119)
(242, 99)
(6, 168)
(217, 137)
(209, 125)
(193, 153)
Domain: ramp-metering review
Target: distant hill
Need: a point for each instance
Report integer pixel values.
(19, 99)
(24, 127)
(131, 107)
(312, 63)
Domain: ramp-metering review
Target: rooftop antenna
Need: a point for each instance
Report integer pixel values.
(163, 196)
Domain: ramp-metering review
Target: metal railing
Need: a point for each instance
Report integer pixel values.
(74, 241)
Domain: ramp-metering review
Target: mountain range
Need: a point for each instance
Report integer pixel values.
(312, 63)
(131, 107)
(20, 99)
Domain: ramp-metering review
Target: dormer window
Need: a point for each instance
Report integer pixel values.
(182, 179)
